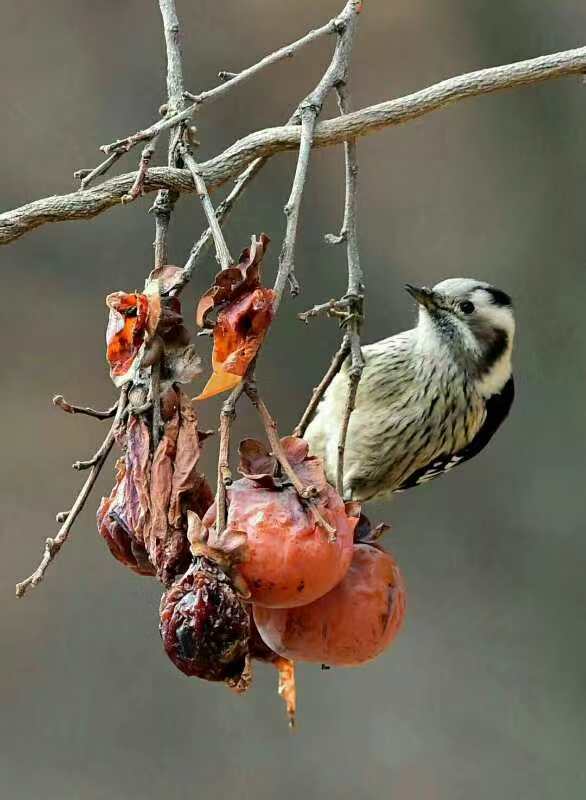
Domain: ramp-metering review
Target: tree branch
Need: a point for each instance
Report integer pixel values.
(308, 112)
(180, 114)
(265, 143)
(355, 295)
(221, 212)
(223, 256)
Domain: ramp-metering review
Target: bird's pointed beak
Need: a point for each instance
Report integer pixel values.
(425, 297)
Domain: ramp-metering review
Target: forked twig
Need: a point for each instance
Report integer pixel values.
(349, 308)
(144, 163)
(223, 256)
(354, 298)
(54, 545)
(230, 80)
(308, 114)
(86, 176)
(264, 143)
(60, 402)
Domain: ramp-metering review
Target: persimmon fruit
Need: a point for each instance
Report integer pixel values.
(352, 624)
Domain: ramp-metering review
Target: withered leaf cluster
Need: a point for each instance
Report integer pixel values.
(152, 519)
(261, 466)
(144, 520)
(146, 329)
(245, 311)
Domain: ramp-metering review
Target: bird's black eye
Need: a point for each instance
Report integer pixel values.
(466, 307)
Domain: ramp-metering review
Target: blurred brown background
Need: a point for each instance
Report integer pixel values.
(483, 695)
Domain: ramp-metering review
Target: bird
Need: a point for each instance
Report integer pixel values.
(429, 399)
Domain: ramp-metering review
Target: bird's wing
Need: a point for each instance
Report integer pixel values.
(497, 409)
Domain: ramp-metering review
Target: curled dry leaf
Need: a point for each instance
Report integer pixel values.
(245, 311)
(290, 559)
(260, 465)
(113, 527)
(167, 278)
(365, 533)
(147, 329)
(126, 331)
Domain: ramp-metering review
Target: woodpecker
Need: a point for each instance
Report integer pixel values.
(429, 398)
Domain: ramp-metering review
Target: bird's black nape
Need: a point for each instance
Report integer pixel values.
(499, 298)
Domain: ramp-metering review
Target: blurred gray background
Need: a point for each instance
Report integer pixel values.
(483, 695)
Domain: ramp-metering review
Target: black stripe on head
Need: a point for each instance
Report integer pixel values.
(495, 349)
(499, 298)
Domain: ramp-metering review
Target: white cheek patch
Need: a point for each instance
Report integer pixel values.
(496, 316)
(493, 381)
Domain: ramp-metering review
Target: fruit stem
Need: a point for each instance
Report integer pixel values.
(227, 417)
(306, 493)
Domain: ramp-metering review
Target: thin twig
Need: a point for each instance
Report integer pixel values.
(165, 201)
(354, 298)
(227, 417)
(223, 256)
(54, 545)
(241, 183)
(265, 143)
(288, 51)
(86, 176)
(221, 212)
(322, 387)
(349, 308)
(354, 375)
(309, 112)
(332, 308)
(144, 163)
(229, 81)
(60, 402)
(98, 456)
(162, 209)
(309, 494)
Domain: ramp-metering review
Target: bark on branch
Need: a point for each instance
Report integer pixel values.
(265, 143)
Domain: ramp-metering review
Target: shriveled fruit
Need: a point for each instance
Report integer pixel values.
(350, 625)
(291, 559)
(113, 528)
(144, 519)
(205, 626)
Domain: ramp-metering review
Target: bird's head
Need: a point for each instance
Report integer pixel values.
(474, 321)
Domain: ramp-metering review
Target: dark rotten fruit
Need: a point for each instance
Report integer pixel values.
(205, 626)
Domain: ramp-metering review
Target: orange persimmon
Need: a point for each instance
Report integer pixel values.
(350, 625)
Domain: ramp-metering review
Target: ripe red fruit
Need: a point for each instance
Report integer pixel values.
(290, 559)
(350, 625)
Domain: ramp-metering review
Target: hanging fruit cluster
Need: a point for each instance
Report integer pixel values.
(288, 571)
